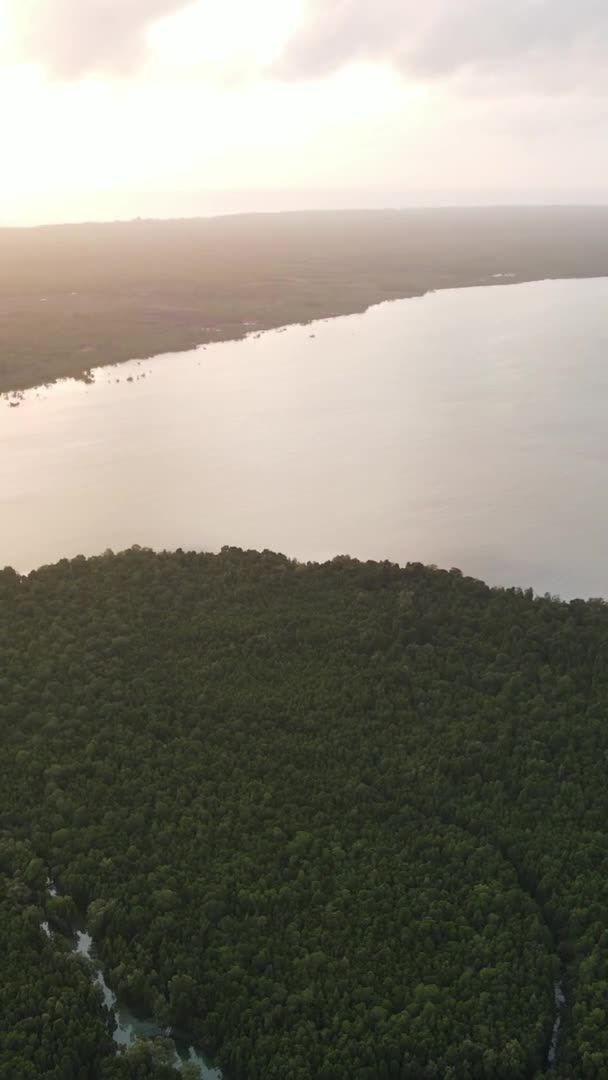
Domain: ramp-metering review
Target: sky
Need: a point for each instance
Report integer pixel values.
(126, 108)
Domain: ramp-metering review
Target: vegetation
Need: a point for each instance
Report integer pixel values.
(74, 297)
(336, 822)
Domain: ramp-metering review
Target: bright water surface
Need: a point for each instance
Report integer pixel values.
(465, 428)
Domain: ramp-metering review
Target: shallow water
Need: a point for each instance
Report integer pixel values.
(130, 1027)
(464, 428)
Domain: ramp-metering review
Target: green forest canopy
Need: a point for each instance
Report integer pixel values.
(334, 822)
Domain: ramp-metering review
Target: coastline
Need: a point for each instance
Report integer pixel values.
(14, 394)
(74, 298)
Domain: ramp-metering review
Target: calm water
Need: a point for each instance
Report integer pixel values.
(466, 428)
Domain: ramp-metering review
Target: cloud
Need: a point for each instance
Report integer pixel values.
(545, 45)
(73, 37)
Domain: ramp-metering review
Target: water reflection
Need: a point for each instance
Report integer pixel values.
(463, 428)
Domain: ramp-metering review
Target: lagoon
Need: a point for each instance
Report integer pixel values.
(463, 428)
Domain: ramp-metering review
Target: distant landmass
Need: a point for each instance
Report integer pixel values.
(73, 297)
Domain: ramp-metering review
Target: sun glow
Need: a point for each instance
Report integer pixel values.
(224, 40)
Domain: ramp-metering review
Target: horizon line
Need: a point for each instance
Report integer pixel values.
(406, 208)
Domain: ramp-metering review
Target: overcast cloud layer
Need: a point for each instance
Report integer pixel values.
(304, 102)
(74, 37)
(546, 45)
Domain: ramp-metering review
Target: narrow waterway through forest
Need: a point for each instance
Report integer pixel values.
(128, 1026)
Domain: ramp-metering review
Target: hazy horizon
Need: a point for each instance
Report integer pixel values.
(168, 108)
(163, 207)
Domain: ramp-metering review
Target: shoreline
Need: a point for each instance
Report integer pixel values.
(13, 396)
(74, 298)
